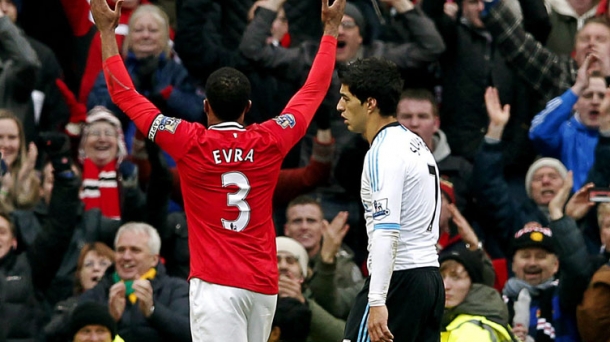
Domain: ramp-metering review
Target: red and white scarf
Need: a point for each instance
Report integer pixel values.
(100, 189)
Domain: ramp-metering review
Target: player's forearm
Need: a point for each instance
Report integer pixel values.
(109, 44)
(383, 256)
(307, 100)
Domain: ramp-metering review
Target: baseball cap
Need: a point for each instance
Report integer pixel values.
(533, 235)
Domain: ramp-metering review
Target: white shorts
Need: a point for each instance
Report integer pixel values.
(225, 313)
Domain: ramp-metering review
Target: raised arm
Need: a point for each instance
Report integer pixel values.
(21, 75)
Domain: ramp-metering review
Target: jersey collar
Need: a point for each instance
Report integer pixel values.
(228, 126)
(395, 123)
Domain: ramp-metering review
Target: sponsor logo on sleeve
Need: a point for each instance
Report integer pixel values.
(380, 209)
(285, 120)
(163, 123)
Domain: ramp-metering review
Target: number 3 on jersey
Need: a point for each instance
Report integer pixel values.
(237, 199)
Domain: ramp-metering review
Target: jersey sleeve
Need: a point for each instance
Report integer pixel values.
(291, 125)
(171, 134)
(386, 172)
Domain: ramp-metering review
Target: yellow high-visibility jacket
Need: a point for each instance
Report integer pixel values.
(468, 328)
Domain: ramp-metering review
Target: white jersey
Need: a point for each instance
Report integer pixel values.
(400, 190)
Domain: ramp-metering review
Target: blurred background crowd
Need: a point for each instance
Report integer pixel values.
(507, 94)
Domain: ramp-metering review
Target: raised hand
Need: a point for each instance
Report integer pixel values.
(332, 16)
(579, 205)
(333, 234)
(144, 292)
(116, 300)
(557, 203)
(582, 76)
(288, 287)
(498, 115)
(105, 18)
(464, 229)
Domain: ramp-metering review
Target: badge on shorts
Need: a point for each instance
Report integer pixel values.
(285, 120)
(380, 209)
(163, 123)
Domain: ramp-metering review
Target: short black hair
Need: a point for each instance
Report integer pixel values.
(375, 78)
(421, 94)
(228, 92)
(293, 318)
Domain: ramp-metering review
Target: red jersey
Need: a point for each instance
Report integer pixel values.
(228, 175)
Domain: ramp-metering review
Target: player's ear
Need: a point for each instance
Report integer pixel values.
(371, 104)
(206, 106)
(248, 107)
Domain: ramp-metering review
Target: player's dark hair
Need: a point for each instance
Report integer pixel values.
(421, 94)
(228, 92)
(375, 78)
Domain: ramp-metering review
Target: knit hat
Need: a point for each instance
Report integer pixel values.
(542, 162)
(447, 189)
(91, 313)
(286, 244)
(533, 235)
(470, 260)
(101, 113)
(354, 12)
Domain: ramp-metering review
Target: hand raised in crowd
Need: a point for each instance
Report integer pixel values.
(332, 16)
(579, 205)
(602, 64)
(401, 6)
(289, 287)
(451, 9)
(582, 77)
(105, 18)
(144, 292)
(30, 162)
(378, 324)
(557, 203)
(498, 115)
(464, 229)
(333, 234)
(116, 300)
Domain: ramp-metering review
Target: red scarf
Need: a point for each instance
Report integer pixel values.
(100, 189)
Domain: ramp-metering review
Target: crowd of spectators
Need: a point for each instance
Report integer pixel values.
(509, 95)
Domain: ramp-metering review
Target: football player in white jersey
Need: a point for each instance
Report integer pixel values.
(403, 298)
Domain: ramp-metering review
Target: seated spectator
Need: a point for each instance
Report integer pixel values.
(91, 322)
(418, 111)
(473, 311)
(88, 63)
(292, 263)
(155, 74)
(567, 129)
(25, 276)
(20, 184)
(93, 261)
(336, 278)
(291, 321)
(147, 304)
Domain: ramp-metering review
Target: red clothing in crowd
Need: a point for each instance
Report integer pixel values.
(228, 175)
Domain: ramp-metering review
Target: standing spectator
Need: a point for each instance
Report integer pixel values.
(25, 275)
(567, 17)
(401, 219)
(18, 69)
(567, 129)
(155, 74)
(418, 111)
(336, 278)
(146, 303)
(232, 170)
(20, 184)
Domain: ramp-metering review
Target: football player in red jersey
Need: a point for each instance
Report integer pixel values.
(228, 175)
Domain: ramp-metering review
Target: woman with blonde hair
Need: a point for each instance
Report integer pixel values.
(20, 184)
